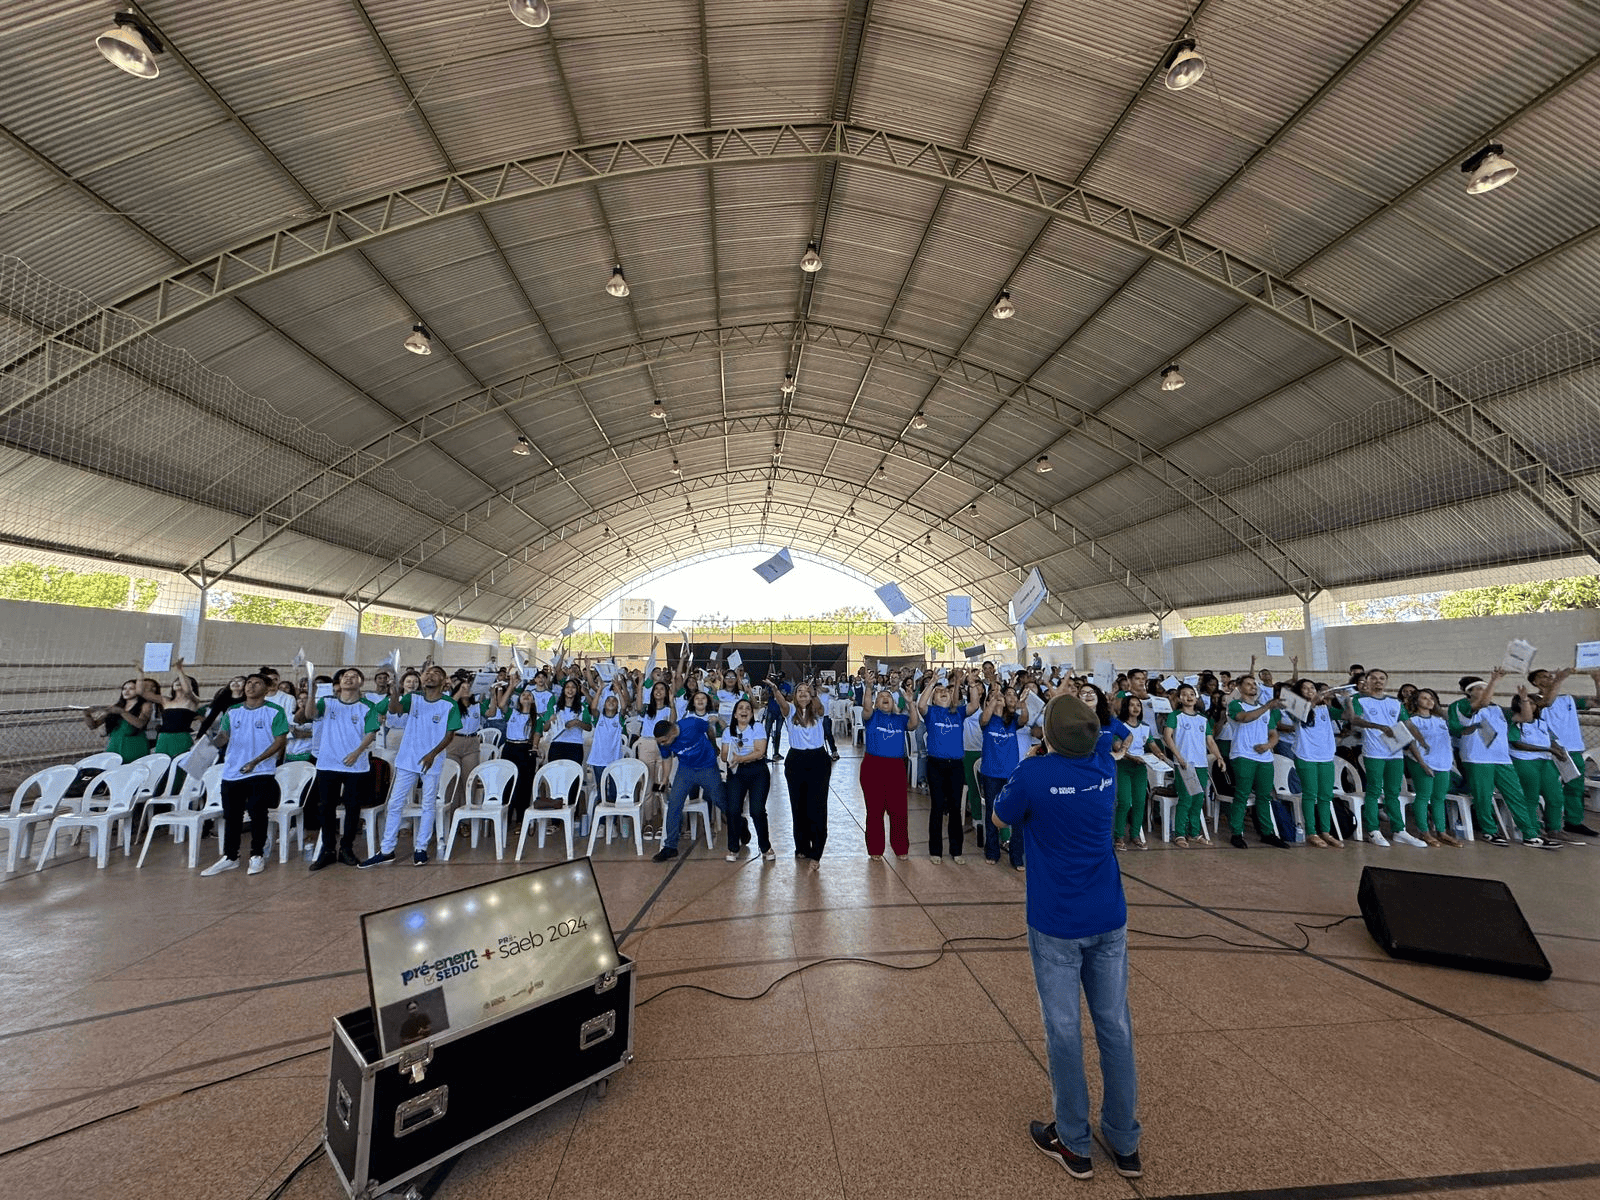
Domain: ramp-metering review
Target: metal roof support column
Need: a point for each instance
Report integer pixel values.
(1172, 627)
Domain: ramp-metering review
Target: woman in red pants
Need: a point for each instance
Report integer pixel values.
(883, 774)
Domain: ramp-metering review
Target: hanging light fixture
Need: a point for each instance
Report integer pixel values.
(523, 447)
(1043, 465)
(1488, 169)
(811, 261)
(1184, 66)
(535, 14)
(658, 410)
(919, 420)
(929, 540)
(676, 469)
(788, 383)
(1003, 309)
(420, 341)
(129, 46)
(1171, 378)
(972, 509)
(617, 285)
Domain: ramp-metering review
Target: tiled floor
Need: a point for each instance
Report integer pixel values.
(165, 1035)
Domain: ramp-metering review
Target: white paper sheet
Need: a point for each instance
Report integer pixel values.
(1274, 647)
(324, 691)
(958, 611)
(1191, 779)
(1565, 766)
(1171, 682)
(1397, 737)
(607, 671)
(1105, 673)
(1160, 705)
(665, 617)
(1588, 656)
(1192, 680)
(300, 660)
(735, 661)
(485, 679)
(893, 598)
(570, 628)
(779, 565)
(1486, 733)
(157, 658)
(427, 627)
(974, 652)
(1518, 658)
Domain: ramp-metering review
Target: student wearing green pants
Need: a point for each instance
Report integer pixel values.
(1532, 749)
(1315, 744)
(1561, 715)
(1379, 716)
(1253, 738)
(1133, 777)
(1187, 733)
(1429, 771)
(1485, 752)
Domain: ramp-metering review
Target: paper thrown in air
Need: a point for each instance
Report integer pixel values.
(1518, 658)
(570, 627)
(1274, 647)
(607, 671)
(958, 611)
(300, 658)
(735, 661)
(427, 627)
(779, 565)
(1588, 656)
(893, 598)
(665, 617)
(977, 651)
(1171, 682)
(157, 658)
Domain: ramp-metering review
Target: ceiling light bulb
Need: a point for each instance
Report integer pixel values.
(1003, 309)
(919, 421)
(928, 541)
(882, 469)
(972, 508)
(1184, 67)
(419, 342)
(523, 446)
(658, 410)
(1488, 169)
(1171, 378)
(535, 14)
(811, 261)
(130, 47)
(788, 384)
(617, 285)
(1043, 465)
(676, 469)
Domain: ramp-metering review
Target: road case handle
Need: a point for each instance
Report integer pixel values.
(596, 1030)
(421, 1111)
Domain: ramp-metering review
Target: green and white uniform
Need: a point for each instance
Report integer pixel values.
(1430, 778)
(1561, 716)
(1315, 741)
(1487, 767)
(1536, 770)
(1189, 734)
(1385, 772)
(1133, 783)
(1252, 768)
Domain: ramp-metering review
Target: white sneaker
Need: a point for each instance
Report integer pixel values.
(1406, 838)
(221, 865)
(934, 858)
(258, 864)
(1377, 839)
(958, 860)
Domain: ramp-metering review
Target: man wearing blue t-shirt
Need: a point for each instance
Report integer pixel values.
(1063, 802)
(689, 740)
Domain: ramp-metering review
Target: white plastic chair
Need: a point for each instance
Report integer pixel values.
(913, 763)
(710, 818)
(449, 777)
(17, 823)
(294, 782)
(497, 777)
(858, 727)
(158, 769)
(1347, 787)
(1281, 767)
(557, 777)
(104, 760)
(1460, 804)
(630, 777)
(124, 786)
(188, 820)
(491, 741)
(182, 799)
(839, 716)
(1159, 775)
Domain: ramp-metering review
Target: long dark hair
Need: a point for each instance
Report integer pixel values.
(651, 708)
(1102, 708)
(560, 702)
(1122, 708)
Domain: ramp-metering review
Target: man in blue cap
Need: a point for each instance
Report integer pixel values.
(1063, 802)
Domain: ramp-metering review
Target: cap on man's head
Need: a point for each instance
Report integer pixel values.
(1070, 727)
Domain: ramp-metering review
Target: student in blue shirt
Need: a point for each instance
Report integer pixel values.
(944, 717)
(883, 774)
(690, 740)
(1063, 803)
(999, 721)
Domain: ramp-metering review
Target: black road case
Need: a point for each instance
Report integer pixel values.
(392, 1118)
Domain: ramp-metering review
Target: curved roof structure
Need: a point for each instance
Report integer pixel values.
(209, 276)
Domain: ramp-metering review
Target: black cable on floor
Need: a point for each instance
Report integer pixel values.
(277, 1192)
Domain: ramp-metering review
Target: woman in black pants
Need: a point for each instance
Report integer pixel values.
(518, 748)
(807, 771)
(744, 749)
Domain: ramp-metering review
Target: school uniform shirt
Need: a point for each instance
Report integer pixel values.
(1189, 733)
(250, 731)
(743, 742)
(945, 727)
(1146, 717)
(472, 720)
(519, 727)
(1471, 747)
(693, 748)
(607, 745)
(1530, 740)
(427, 721)
(1315, 741)
(806, 737)
(673, 710)
(886, 734)
(344, 727)
(1248, 735)
(1436, 732)
(1561, 718)
(1137, 741)
(1386, 711)
(557, 718)
(725, 702)
(999, 747)
(541, 700)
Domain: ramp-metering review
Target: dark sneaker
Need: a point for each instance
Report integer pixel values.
(419, 858)
(1581, 830)
(377, 860)
(1498, 839)
(665, 854)
(318, 864)
(1238, 843)
(1542, 843)
(1272, 839)
(1128, 1165)
(348, 858)
(1044, 1137)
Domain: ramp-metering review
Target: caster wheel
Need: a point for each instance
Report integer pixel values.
(600, 1088)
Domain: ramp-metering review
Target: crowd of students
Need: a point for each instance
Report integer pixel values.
(717, 731)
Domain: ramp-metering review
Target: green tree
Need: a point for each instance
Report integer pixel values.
(388, 626)
(94, 589)
(255, 609)
(1508, 599)
(1128, 633)
(1266, 620)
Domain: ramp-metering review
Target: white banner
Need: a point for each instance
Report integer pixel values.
(958, 611)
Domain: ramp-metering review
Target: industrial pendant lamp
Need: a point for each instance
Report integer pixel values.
(419, 342)
(535, 14)
(811, 261)
(1184, 67)
(617, 285)
(919, 420)
(523, 446)
(788, 383)
(130, 47)
(1043, 465)
(1171, 378)
(1003, 309)
(1488, 169)
(658, 410)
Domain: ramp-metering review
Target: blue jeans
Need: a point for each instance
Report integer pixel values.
(1099, 965)
(992, 787)
(685, 781)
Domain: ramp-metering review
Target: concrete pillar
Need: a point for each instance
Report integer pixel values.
(1083, 644)
(1172, 626)
(345, 619)
(1318, 618)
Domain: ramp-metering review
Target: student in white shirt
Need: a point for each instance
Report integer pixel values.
(1561, 714)
(346, 728)
(432, 719)
(256, 733)
(743, 746)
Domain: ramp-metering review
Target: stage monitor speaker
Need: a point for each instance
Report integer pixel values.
(1450, 921)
